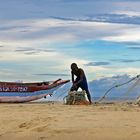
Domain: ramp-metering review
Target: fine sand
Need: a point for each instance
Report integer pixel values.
(55, 121)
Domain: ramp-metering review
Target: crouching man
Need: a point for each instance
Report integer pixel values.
(80, 80)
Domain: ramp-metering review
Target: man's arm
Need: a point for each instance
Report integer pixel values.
(81, 77)
(72, 77)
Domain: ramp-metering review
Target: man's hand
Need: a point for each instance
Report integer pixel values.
(75, 85)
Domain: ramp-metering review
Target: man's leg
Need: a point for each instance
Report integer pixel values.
(88, 95)
(84, 86)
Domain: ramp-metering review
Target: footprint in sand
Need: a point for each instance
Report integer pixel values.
(35, 122)
(33, 126)
(29, 124)
(26, 125)
(40, 128)
(42, 138)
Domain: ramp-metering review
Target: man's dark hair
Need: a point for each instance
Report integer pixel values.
(73, 65)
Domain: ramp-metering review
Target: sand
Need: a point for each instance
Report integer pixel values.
(55, 121)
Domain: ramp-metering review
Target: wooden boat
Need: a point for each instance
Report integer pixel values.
(12, 92)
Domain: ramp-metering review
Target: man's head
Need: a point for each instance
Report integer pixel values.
(74, 66)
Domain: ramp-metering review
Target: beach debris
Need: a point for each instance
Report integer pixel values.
(76, 98)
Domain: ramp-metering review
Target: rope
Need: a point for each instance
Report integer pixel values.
(119, 85)
(64, 91)
(138, 98)
(132, 87)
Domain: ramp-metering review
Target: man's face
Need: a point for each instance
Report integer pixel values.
(74, 68)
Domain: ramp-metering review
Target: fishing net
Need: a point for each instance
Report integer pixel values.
(76, 98)
(128, 90)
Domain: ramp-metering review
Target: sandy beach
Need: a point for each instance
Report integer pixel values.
(55, 121)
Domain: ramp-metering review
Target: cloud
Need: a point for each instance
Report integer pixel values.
(41, 31)
(31, 51)
(9, 74)
(125, 35)
(80, 8)
(129, 43)
(109, 18)
(129, 70)
(126, 60)
(25, 67)
(128, 13)
(134, 48)
(10, 28)
(97, 64)
(51, 74)
(25, 49)
(50, 30)
(39, 9)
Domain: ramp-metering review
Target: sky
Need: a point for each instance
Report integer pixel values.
(39, 39)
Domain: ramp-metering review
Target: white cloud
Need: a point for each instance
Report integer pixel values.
(39, 31)
(128, 13)
(127, 34)
(129, 70)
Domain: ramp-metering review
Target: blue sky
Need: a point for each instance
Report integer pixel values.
(40, 39)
